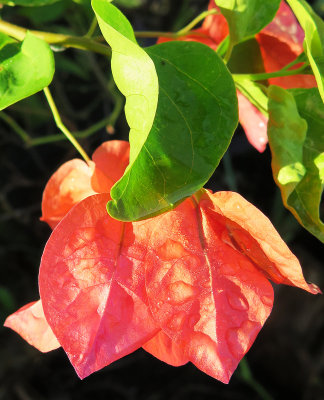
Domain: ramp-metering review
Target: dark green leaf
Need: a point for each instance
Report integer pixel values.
(246, 58)
(247, 17)
(25, 68)
(313, 27)
(193, 126)
(296, 138)
(44, 14)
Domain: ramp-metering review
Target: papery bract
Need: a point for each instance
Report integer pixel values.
(188, 285)
(75, 180)
(29, 321)
(206, 278)
(92, 286)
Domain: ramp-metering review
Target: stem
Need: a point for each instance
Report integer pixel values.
(229, 172)
(92, 28)
(18, 129)
(187, 30)
(264, 76)
(62, 127)
(229, 51)
(196, 21)
(83, 43)
(111, 120)
(247, 377)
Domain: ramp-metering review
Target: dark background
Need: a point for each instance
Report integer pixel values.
(287, 358)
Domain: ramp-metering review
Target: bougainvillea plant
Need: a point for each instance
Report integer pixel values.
(141, 255)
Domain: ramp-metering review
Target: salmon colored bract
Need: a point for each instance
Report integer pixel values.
(189, 285)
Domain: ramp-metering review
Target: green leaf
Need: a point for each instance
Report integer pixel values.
(313, 27)
(195, 119)
(25, 68)
(245, 18)
(253, 91)
(246, 58)
(133, 72)
(46, 13)
(28, 3)
(296, 138)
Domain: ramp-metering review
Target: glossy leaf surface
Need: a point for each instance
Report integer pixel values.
(133, 72)
(199, 102)
(92, 286)
(296, 137)
(29, 321)
(25, 68)
(313, 27)
(246, 18)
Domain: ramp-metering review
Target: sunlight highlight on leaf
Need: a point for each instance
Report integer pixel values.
(296, 137)
(25, 68)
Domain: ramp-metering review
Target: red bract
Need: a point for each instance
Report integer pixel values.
(75, 180)
(280, 42)
(188, 285)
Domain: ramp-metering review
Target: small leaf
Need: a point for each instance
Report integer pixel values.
(313, 27)
(193, 126)
(246, 18)
(133, 72)
(29, 321)
(296, 138)
(92, 287)
(25, 68)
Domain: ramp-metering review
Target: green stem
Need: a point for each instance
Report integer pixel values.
(108, 121)
(264, 76)
(92, 28)
(15, 127)
(229, 51)
(62, 127)
(187, 30)
(83, 43)
(196, 21)
(247, 377)
(229, 172)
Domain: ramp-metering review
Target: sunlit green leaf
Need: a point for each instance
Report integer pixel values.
(313, 27)
(193, 126)
(247, 17)
(252, 91)
(133, 72)
(28, 3)
(25, 68)
(296, 138)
